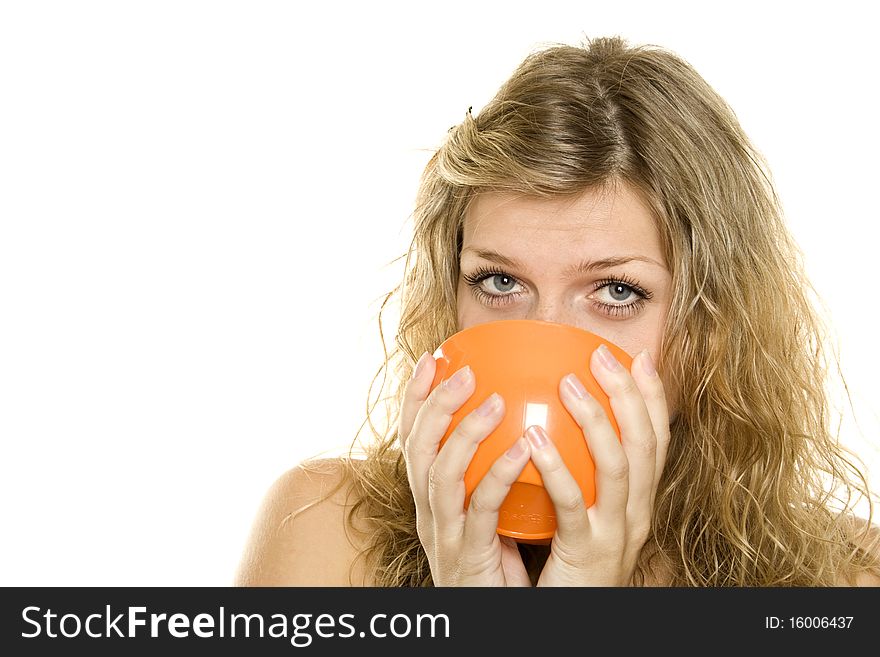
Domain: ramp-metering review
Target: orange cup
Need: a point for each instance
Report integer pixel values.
(523, 361)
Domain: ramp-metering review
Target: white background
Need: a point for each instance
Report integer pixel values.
(200, 202)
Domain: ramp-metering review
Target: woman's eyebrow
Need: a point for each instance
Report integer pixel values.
(583, 267)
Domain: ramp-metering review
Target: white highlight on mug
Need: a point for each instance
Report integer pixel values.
(536, 414)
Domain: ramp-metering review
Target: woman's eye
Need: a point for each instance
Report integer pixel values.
(492, 287)
(501, 283)
(618, 292)
(626, 300)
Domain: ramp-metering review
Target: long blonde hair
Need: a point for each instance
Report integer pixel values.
(757, 490)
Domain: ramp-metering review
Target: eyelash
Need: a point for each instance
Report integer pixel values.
(615, 310)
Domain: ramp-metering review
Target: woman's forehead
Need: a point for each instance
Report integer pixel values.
(602, 223)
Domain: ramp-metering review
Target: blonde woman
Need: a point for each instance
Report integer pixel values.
(607, 187)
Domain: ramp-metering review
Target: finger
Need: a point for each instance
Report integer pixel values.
(572, 523)
(429, 427)
(609, 457)
(446, 487)
(515, 572)
(636, 431)
(481, 519)
(651, 387)
(415, 395)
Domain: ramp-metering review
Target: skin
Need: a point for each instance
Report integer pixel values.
(540, 243)
(547, 236)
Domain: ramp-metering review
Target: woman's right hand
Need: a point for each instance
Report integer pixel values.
(463, 547)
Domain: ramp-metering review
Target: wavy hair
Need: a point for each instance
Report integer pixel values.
(757, 490)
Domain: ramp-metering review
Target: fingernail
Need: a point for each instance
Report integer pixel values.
(489, 406)
(575, 387)
(518, 449)
(648, 364)
(537, 436)
(459, 378)
(608, 359)
(420, 365)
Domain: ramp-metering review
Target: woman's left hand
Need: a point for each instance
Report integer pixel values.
(599, 545)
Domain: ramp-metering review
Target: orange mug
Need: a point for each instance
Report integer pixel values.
(523, 361)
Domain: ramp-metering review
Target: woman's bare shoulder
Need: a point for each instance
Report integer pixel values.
(302, 535)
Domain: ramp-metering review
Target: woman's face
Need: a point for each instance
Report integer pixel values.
(594, 262)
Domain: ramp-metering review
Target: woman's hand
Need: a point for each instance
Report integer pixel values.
(463, 548)
(599, 545)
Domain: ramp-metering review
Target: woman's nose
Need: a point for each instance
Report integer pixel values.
(557, 313)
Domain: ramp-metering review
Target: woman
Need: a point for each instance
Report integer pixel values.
(610, 188)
